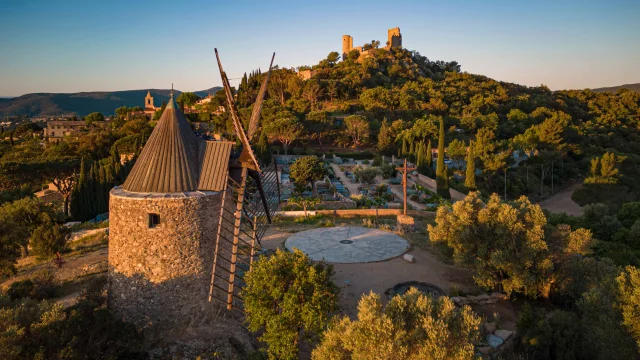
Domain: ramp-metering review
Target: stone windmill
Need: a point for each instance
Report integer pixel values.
(185, 224)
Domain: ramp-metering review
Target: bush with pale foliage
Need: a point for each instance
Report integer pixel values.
(629, 298)
(509, 246)
(412, 326)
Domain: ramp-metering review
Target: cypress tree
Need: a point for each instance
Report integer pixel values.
(441, 174)
(470, 174)
(92, 195)
(85, 194)
(404, 147)
(103, 189)
(412, 148)
(430, 154)
(446, 177)
(419, 154)
(76, 205)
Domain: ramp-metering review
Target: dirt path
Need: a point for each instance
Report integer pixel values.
(352, 187)
(562, 202)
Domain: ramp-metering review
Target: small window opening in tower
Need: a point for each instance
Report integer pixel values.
(154, 220)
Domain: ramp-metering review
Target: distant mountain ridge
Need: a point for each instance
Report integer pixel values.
(83, 103)
(613, 89)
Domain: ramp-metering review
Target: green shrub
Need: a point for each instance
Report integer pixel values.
(21, 289)
(388, 171)
(40, 286)
(563, 218)
(288, 296)
(48, 239)
(43, 330)
(629, 213)
(557, 335)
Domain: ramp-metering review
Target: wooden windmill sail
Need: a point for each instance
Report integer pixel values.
(248, 204)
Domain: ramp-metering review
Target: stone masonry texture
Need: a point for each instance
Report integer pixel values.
(159, 277)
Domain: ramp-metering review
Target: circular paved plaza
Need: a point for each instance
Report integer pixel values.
(348, 244)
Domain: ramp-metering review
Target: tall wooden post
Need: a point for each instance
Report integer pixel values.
(404, 170)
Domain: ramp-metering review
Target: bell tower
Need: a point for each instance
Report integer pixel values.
(148, 101)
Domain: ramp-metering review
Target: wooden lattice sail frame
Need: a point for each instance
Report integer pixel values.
(248, 203)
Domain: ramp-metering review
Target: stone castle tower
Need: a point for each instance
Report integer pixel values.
(347, 45)
(394, 38)
(163, 223)
(394, 41)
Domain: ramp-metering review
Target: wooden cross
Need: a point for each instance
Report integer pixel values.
(405, 170)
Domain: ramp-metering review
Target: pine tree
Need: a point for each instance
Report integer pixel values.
(441, 174)
(470, 178)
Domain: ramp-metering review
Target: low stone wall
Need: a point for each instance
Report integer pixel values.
(431, 184)
(359, 212)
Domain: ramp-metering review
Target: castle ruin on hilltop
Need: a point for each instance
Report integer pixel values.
(394, 41)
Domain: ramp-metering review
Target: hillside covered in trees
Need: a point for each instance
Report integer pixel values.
(82, 103)
(391, 103)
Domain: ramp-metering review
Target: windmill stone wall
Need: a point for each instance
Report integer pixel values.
(159, 276)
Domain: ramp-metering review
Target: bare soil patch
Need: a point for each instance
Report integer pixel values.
(562, 202)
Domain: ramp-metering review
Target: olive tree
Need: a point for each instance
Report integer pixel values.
(366, 175)
(503, 244)
(288, 296)
(304, 203)
(412, 326)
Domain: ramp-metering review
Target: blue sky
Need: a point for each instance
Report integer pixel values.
(70, 45)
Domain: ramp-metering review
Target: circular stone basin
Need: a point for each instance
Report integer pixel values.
(424, 287)
(348, 244)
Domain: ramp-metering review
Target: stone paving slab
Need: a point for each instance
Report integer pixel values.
(361, 245)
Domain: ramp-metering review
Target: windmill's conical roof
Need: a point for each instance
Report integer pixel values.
(168, 162)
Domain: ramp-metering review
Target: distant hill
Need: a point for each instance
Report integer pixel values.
(613, 89)
(83, 103)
